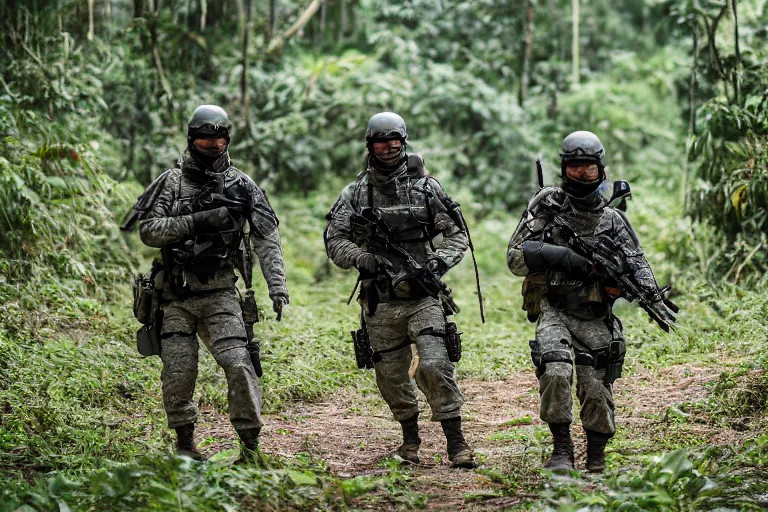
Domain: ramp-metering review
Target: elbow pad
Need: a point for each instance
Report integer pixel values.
(541, 256)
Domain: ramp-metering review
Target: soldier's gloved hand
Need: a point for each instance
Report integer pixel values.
(211, 221)
(542, 256)
(278, 302)
(437, 266)
(371, 262)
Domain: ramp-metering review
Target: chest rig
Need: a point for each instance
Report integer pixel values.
(206, 253)
(587, 297)
(404, 204)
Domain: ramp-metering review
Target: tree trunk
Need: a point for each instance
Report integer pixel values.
(90, 20)
(342, 28)
(323, 14)
(692, 84)
(244, 78)
(203, 13)
(138, 8)
(737, 69)
(525, 68)
(575, 41)
(155, 14)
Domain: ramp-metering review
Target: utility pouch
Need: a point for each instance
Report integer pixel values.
(534, 289)
(254, 351)
(145, 300)
(453, 342)
(148, 337)
(535, 352)
(616, 351)
(363, 350)
(249, 307)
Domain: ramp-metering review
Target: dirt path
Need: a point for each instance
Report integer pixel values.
(354, 434)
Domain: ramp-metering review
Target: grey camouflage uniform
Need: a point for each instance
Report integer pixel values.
(408, 201)
(209, 306)
(580, 319)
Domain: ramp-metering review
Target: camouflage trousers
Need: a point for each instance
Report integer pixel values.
(558, 334)
(423, 323)
(217, 319)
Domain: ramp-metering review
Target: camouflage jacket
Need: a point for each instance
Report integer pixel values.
(585, 220)
(410, 202)
(168, 223)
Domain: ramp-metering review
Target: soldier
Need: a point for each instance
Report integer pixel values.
(400, 303)
(204, 215)
(572, 298)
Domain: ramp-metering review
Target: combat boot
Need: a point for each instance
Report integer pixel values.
(409, 450)
(249, 449)
(459, 452)
(596, 442)
(185, 442)
(562, 453)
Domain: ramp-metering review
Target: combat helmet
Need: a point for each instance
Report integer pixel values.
(386, 126)
(582, 147)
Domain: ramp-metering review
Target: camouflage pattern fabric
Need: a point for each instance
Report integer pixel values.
(216, 317)
(580, 322)
(390, 327)
(411, 203)
(168, 222)
(559, 332)
(209, 306)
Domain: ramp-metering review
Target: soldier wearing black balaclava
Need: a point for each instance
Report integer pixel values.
(397, 311)
(202, 218)
(572, 303)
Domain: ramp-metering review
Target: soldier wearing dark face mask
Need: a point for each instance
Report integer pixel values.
(205, 215)
(398, 311)
(572, 301)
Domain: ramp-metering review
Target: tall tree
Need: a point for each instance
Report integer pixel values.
(575, 41)
(525, 67)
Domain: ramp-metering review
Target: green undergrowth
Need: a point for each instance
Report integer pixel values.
(162, 482)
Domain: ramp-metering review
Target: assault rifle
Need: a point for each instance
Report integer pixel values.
(369, 230)
(610, 263)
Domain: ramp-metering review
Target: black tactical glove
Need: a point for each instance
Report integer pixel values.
(278, 302)
(211, 221)
(541, 256)
(437, 266)
(371, 262)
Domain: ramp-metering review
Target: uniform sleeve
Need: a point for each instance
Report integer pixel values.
(338, 239)
(623, 235)
(455, 240)
(265, 241)
(269, 251)
(159, 228)
(532, 224)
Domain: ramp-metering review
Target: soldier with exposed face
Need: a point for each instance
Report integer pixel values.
(206, 215)
(413, 238)
(572, 281)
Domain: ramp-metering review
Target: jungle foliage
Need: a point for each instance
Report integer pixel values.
(94, 97)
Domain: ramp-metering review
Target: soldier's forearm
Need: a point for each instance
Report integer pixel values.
(343, 253)
(269, 252)
(161, 231)
(453, 248)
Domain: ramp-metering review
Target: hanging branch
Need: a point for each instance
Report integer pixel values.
(278, 41)
(737, 71)
(90, 20)
(155, 14)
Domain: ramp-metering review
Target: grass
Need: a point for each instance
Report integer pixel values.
(82, 421)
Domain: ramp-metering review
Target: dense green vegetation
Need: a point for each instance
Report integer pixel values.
(94, 97)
